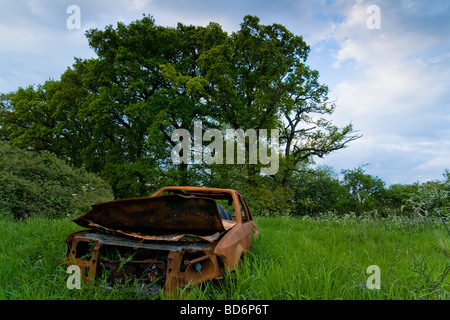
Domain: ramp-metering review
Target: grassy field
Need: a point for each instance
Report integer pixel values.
(293, 259)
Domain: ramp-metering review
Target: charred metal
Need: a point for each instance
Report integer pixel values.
(179, 236)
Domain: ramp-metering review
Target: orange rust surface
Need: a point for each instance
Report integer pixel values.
(172, 213)
(177, 233)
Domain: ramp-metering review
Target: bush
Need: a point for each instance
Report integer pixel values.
(320, 191)
(38, 183)
(267, 201)
(431, 199)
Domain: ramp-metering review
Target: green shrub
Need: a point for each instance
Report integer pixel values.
(318, 191)
(38, 183)
(432, 198)
(268, 201)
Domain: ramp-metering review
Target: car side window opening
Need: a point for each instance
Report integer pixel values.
(224, 214)
(243, 212)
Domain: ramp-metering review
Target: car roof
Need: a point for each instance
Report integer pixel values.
(200, 189)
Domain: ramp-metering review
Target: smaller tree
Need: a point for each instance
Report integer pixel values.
(366, 192)
(397, 196)
(446, 175)
(319, 191)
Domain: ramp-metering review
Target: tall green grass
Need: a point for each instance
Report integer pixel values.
(328, 259)
(292, 259)
(30, 261)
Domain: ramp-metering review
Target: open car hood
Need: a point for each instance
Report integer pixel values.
(166, 217)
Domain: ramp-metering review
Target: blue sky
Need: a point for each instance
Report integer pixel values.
(392, 83)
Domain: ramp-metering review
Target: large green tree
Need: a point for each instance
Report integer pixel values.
(114, 114)
(259, 79)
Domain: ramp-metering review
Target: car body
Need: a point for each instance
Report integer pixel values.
(178, 237)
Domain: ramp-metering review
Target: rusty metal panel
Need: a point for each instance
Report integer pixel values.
(162, 238)
(156, 215)
(124, 242)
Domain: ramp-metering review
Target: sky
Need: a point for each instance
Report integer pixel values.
(386, 63)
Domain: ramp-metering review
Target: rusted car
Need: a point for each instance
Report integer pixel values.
(178, 237)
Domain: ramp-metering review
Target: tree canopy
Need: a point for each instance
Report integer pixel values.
(115, 114)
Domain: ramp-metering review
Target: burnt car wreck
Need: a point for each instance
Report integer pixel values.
(178, 237)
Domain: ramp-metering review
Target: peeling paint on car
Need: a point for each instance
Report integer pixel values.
(178, 237)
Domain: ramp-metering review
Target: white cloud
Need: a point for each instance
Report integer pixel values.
(394, 88)
(136, 4)
(37, 8)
